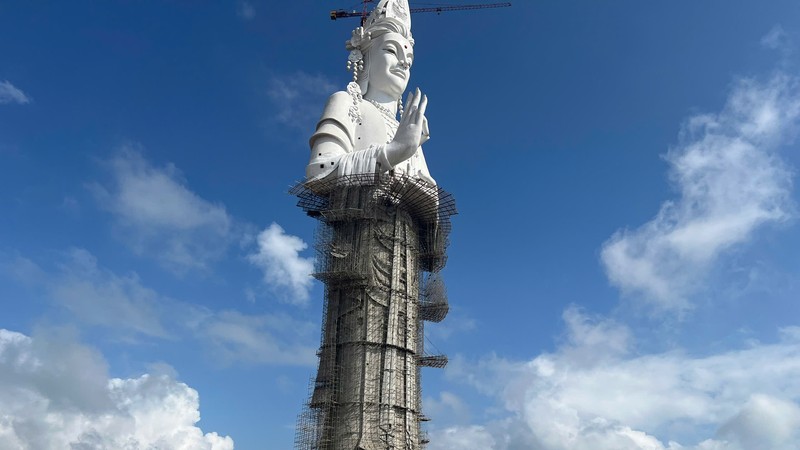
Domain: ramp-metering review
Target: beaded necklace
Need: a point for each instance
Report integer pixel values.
(389, 119)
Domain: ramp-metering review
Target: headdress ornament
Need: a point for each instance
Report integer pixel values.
(394, 10)
(391, 9)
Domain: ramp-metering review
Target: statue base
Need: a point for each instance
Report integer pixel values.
(380, 238)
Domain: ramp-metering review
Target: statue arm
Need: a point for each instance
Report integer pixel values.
(423, 171)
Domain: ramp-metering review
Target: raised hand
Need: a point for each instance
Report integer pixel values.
(412, 131)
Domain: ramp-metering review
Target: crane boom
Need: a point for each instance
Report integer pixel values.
(341, 13)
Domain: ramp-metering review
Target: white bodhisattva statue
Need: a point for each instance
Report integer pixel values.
(384, 225)
(358, 132)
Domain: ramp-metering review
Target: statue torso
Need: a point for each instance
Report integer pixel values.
(371, 129)
(357, 136)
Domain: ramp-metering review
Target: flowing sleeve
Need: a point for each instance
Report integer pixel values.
(332, 145)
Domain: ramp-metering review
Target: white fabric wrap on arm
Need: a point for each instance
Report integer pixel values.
(371, 160)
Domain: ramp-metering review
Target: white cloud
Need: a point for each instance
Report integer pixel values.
(448, 406)
(246, 10)
(70, 205)
(279, 258)
(23, 270)
(455, 324)
(299, 98)
(776, 38)
(55, 393)
(736, 400)
(99, 297)
(253, 339)
(592, 340)
(159, 215)
(463, 438)
(93, 295)
(730, 183)
(11, 94)
(124, 306)
(764, 422)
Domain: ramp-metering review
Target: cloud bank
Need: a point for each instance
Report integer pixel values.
(731, 183)
(55, 393)
(586, 395)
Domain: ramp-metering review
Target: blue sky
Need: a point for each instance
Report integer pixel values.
(623, 269)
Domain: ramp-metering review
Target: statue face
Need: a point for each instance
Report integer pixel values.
(389, 59)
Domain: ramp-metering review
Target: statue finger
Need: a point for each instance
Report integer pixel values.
(423, 104)
(407, 108)
(417, 98)
(412, 116)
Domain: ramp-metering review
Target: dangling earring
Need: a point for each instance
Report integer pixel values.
(400, 106)
(355, 62)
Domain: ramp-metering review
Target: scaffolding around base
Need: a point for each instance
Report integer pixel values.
(380, 244)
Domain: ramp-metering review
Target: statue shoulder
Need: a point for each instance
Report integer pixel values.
(338, 109)
(340, 96)
(337, 106)
(336, 122)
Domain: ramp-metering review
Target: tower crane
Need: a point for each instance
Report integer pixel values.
(342, 13)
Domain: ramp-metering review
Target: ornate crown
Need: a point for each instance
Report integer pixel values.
(386, 9)
(394, 9)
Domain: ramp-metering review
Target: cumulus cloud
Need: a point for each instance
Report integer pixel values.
(592, 340)
(11, 94)
(764, 422)
(736, 400)
(279, 258)
(56, 393)
(299, 98)
(158, 214)
(730, 182)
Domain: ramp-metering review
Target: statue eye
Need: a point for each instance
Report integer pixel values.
(391, 50)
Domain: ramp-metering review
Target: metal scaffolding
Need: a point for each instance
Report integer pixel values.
(380, 243)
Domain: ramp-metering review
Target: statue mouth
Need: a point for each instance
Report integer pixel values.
(400, 73)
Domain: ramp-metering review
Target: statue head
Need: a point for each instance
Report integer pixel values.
(382, 51)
